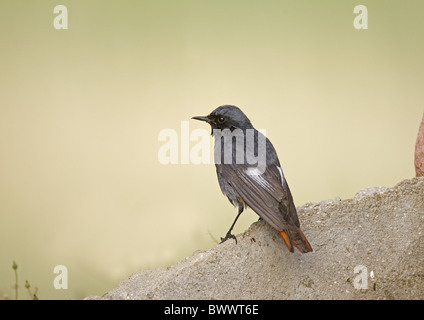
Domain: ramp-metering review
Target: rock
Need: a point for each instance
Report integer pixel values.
(378, 234)
(419, 151)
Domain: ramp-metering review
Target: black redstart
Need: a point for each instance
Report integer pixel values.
(250, 175)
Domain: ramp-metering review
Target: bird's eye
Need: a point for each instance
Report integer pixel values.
(221, 120)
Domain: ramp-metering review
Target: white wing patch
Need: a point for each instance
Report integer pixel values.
(252, 171)
(282, 176)
(256, 175)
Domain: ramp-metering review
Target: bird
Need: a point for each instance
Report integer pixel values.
(259, 186)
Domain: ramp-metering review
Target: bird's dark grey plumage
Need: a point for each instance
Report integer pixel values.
(246, 184)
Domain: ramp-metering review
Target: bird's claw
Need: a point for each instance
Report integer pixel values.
(228, 236)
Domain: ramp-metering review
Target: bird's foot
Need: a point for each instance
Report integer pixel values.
(228, 236)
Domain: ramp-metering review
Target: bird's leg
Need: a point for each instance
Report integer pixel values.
(229, 235)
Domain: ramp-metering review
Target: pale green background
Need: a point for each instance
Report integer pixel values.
(81, 110)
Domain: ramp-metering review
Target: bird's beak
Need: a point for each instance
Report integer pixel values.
(202, 118)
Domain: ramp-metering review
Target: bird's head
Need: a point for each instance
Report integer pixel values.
(226, 117)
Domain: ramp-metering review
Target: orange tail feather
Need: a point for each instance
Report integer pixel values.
(293, 236)
(286, 239)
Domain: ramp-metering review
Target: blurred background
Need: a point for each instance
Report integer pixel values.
(81, 110)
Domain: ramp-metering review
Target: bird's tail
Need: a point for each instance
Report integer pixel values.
(294, 237)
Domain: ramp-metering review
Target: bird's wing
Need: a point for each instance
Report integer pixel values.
(266, 193)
